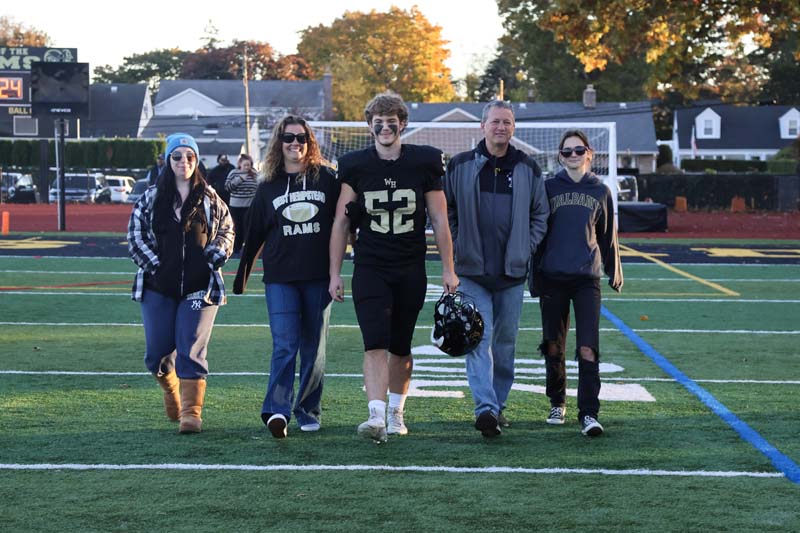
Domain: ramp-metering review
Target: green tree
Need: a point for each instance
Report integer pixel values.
(368, 53)
(149, 67)
(783, 64)
(535, 66)
(14, 33)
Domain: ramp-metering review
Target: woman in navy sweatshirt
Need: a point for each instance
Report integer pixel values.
(581, 244)
(291, 218)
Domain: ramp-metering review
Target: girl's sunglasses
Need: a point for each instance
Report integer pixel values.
(289, 138)
(177, 156)
(579, 150)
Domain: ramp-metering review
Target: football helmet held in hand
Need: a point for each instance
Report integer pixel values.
(457, 324)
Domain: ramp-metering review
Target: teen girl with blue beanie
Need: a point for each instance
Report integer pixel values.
(179, 235)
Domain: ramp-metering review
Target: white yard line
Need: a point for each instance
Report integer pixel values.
(426, 375)
(355, 326)
(432, 298)
(389, 468)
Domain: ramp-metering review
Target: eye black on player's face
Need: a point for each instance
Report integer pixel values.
(386, 129)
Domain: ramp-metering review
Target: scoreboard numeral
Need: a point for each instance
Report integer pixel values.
(10, 88)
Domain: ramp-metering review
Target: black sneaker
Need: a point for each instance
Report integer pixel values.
(591, 427)
(487, 424)
(556, 415)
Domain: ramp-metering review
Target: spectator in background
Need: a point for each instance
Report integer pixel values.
(242, 183)
(218, 175)
(155, 170)
(179, 235)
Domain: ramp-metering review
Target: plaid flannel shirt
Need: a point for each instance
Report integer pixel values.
(143, 248)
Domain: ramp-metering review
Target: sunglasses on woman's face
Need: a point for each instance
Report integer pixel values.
(177, 156)
(579, 150)
(289, 138)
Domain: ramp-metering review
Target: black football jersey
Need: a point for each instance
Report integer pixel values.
(392, 193)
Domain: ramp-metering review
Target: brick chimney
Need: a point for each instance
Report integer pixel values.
(589, 97)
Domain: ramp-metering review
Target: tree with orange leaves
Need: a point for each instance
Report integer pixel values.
(695, 47)
(368, 53)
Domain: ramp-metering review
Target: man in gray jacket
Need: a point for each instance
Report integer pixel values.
(497, 209)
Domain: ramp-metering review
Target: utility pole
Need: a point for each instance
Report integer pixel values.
(246, 105)
(502, 90)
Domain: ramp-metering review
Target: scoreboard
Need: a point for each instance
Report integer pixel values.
(16, 116)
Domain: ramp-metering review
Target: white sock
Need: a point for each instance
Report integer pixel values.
(397, 400)
(377, 408)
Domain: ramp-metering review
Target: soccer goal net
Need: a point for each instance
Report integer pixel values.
(537, 139)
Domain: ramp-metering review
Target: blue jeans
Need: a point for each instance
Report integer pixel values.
(490, 367)
(298, 319)
(176, 334)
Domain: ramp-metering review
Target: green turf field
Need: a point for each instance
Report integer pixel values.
(84, 445)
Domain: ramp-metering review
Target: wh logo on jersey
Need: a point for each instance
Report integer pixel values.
(390, 183)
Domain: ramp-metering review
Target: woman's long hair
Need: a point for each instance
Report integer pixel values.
(168, 198)
(273, 164)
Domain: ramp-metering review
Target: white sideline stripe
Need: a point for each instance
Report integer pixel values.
(355, 326)
(721, 299)
(94, 272)
(721, 280)
(426, 375)
(631, 263)
(133, 273)
(388, 468)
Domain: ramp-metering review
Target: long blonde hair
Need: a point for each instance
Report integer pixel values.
(274, 160)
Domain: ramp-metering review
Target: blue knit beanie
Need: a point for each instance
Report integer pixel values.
(177, 140)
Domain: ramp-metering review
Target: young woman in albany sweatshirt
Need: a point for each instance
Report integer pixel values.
(581, 244)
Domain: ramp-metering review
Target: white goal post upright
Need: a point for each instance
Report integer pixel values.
(538, 139)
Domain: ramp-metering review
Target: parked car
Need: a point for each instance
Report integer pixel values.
(78, 187)
(138, 190)
(116, 190)
(23, 191)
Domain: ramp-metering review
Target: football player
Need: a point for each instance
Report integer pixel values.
(387, 189)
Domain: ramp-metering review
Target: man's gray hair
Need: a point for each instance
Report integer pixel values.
(496, 103)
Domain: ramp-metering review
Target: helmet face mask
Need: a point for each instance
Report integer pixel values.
(457, 324)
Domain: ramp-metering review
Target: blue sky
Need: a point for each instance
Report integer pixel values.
(106, 32)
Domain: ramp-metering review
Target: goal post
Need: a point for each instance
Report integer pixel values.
(537, 139)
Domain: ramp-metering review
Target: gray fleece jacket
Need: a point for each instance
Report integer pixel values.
(529, 212)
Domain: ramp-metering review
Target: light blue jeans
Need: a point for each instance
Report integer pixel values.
(298, 320)
(490, 367)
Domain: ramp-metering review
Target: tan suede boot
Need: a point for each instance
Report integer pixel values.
(193, 392)
(172, 398)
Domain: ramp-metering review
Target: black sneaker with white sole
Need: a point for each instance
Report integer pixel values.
(487, 424)
(591, 427)
(556, 415)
